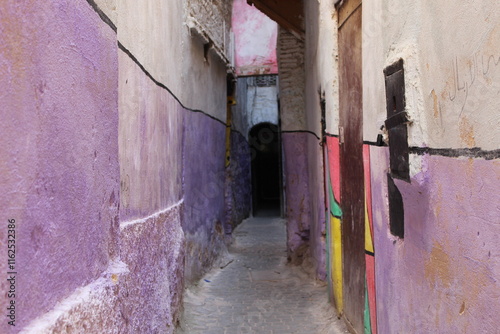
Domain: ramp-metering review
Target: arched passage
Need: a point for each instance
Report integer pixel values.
(266, 171)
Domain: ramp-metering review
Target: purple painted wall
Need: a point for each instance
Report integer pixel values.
(216, 198)
(443, 278)
(239, 201)
(150, 297)
(93, 149)
(317, 206)
(203, 157)
(59, 148)
(298, 211)
(151, 240)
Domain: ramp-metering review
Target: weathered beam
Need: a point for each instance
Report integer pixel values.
(287, 13)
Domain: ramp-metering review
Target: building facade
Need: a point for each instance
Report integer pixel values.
(126, 156)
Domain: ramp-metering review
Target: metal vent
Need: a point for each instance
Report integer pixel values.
(265, 80)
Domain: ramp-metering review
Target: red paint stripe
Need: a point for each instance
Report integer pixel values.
(334, 164)
(370, 282)
(370, 260)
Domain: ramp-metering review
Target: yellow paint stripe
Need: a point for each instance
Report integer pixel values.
(336, 251)
(368, 235)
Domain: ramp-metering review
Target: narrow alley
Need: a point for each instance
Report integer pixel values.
(255, 290)
(249, 166)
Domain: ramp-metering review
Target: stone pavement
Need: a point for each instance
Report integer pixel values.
(257, 292)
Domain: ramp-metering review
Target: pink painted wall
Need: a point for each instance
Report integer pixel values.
(443, 278)
(255, 37)
(59, 150)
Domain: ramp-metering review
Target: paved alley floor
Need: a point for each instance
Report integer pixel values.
(255, 291)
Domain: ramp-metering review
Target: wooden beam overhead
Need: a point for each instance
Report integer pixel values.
(289, 14)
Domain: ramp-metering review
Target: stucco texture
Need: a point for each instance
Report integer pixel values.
(148, 29)
(109, 7)
(321, 59)
(59, 166)
(297, 201)
(150, 144)
(262, 105)
(150, 297)
(141, 294)
(444, 272)
(451, 69)
(156, 34)
(204, 184)
(239, 193)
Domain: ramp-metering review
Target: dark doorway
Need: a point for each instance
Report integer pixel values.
(266, 186)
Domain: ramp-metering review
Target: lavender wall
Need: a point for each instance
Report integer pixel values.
(216, 198)
(238, 182)
(149, 298)
(317, 205)
(151, 240)
(59, 147)
(443, 277)
(298, 212)
(94, 145)
(203, 157)
(172, 156)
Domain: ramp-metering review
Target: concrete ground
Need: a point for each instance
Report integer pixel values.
(255, 291)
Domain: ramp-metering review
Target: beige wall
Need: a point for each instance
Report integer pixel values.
(109, 7)
(451, 59)
(156, 34)
(322, 64)
(447, 112)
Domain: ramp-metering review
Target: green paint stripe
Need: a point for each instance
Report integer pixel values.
(334, 206)
(368, 326)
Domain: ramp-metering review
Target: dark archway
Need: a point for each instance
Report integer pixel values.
(266, 171)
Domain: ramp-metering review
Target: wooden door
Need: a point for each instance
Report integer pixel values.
(351, 163)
